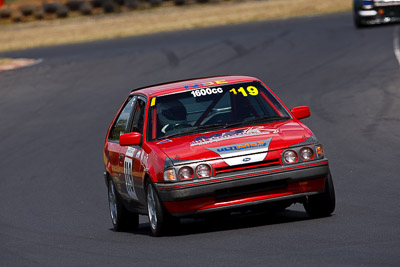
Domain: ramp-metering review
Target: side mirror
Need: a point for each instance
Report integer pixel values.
(130, 139)
(301, 112)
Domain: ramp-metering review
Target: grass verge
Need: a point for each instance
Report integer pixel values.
(45, 33)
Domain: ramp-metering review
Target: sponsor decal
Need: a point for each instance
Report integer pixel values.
(242, 148)
(238, 153)
(198, 85)
(164, 141)
(206, 91)
(130, 188)
(251, 131)
(144, 160)
(130, 151)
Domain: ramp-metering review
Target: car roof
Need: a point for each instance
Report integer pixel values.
(182, 85)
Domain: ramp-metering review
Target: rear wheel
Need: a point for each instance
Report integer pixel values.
(121, 218)
(323, 204)
(159, 218)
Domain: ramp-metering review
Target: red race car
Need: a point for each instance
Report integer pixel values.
(212, 144)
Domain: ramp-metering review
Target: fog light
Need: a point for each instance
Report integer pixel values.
(169, 175)
(290, 156)
(185, 173)
(203, 171)
(306, 153)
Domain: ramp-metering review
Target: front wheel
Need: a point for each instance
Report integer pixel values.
(323, 204)
(121, 218)
(159, 218)
(357, 21)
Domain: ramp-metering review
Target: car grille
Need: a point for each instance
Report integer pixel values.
(250, 189)
(253, 166)
(387, 2)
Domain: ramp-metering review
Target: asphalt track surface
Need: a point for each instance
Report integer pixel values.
(54, 115)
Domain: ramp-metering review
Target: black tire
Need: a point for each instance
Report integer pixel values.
(159, 219)
(155, 3)
(121, 218)
(96, 3)
(74, 5)
(323, 204)
(109, 7)
(5, 13)
(119, 2)
(179, 2)
(357, 22)
(132, 4)
(51, 8)
(86, 8)
(62, 12)
(27, 10)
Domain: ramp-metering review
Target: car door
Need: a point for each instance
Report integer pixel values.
(116, 154)
(136, 157)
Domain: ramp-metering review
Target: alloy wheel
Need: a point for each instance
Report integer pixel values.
(112, 201)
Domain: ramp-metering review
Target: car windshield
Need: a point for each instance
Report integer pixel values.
(211, 108)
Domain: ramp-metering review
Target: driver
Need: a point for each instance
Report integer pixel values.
(171, 116)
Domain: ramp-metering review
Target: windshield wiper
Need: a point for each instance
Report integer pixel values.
(195, 129)
(257, 120)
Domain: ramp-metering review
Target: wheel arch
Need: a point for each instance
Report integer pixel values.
(146, 181)
(107, 177)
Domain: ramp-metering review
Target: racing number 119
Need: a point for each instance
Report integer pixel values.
(250, 89)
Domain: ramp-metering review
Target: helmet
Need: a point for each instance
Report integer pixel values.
(170, 114)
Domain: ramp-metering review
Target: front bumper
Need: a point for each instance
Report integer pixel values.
(244, 188)
(379, 14)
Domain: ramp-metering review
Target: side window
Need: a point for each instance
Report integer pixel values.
(121, 124)
(138, 116)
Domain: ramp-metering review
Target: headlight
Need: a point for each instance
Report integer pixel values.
(185, 173)
(306, 153)
(203, 171)
(169, 175)
(290, 156)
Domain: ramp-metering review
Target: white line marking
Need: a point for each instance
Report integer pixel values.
(396, 43)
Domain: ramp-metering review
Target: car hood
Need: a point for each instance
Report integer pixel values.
(235, 142)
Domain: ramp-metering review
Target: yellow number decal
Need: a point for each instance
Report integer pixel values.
(252, 90)
(242, 91)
